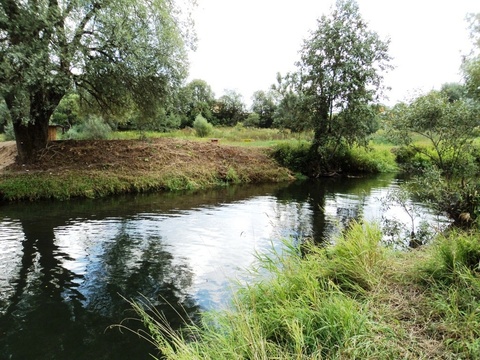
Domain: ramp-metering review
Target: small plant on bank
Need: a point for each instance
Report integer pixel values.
(94, 128)
(202, 127)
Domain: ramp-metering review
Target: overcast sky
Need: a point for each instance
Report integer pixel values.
(244, 43)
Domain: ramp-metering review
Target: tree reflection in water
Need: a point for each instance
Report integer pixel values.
(56, 313)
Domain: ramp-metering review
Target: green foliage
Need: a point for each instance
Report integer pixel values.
(263, 104)
(453, 91)
(195, 98)
(370, 160)
(94, 128)
(357, 260)
(67, 112)
(459, 198)
(452, 282)
(298, 157)
(471, 64)
(453, 256)
(229, 109)
(339, 76)
(252, 120)
(161, 121)
(49, 48)
(289, 113)
(9, 133)
(202, 127)
(293, 155)
(449, 127)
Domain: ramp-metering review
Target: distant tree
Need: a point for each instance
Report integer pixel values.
(117, 54)
(196, 98)
(289, 112)
(471, 64)
(252, 120)
(230, 109)
(454, 91)
(68, 111)
(339, 76)
(264, 105)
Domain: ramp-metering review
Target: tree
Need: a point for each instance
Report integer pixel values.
(197, 97)
(230, 108)
(67, 113)
(471, 64)
(339, 76)
(448, 126)
(453, 91)
(116, 54)
(289, 112)
(264, 105)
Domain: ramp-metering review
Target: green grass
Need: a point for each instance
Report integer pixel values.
(2, 137)
(237, 135)
(355, 299)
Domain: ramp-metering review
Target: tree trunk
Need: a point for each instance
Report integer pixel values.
(31, 138)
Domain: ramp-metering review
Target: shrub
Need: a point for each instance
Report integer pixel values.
(253, 120)
(94, 128)
(202, 127)
(294, 155)
(367, 160)
(458, 198)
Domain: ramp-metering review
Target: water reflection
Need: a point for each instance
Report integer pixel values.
(64, 267)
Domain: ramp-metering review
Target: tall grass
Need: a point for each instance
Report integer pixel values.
(354, 299)
(299, 310)
(238, 135)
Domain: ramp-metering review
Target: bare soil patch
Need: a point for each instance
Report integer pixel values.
(8, 153)
(136, 156)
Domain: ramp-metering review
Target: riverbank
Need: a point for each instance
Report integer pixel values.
(71, 169)
(356, 299)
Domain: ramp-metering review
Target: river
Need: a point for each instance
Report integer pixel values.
(66, 268)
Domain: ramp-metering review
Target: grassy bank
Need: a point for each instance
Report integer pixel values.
(354, 300)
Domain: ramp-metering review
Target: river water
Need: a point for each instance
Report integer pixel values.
(66, 268)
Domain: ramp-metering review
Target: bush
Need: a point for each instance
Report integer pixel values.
(94, 128)
(293, 155)
(202, 127)
(367, 160)
(458, 198)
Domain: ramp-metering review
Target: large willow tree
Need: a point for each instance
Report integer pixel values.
(116, 53)
(340, 74)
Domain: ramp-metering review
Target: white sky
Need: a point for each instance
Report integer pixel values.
(244, 43)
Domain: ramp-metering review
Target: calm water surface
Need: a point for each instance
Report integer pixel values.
(65, 268)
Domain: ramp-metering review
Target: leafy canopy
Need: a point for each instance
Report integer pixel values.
(340, 74)
(449, 127)
(116, 54)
